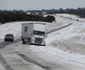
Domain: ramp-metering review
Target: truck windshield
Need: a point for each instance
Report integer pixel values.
(39, 33)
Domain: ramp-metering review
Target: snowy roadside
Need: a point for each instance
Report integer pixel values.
(71, 38)
(72, 17)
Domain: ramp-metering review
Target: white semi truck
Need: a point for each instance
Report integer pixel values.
(34, 33)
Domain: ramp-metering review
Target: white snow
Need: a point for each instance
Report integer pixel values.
(2, 67)
(72, 17)
(49, 56)
(15, 28)
(60, 51)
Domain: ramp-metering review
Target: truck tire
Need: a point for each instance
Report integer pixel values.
(5, 40)
(13, 40)
(23, 41)
(44, 44)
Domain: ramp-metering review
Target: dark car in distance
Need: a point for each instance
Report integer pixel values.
(9, 38)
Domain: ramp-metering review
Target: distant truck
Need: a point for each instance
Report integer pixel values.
(34, 33)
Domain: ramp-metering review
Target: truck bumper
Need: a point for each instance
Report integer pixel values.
(39, 44)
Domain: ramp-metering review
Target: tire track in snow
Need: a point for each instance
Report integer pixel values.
(33, 61)
(76, 62)
(4, 63)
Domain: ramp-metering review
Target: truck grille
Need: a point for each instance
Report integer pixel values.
(38, 40)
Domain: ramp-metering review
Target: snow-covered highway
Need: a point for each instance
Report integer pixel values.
(60, 53)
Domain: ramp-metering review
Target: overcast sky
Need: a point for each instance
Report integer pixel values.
(40, 4)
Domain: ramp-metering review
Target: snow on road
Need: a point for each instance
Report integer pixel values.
(54, 58)
(49, 56)
(17, 63)
(2, 67)
(58, 54)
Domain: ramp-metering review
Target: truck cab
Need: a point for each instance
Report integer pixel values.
(39, 37)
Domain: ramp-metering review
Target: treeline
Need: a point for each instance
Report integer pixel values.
(20, 15)
(79, 11)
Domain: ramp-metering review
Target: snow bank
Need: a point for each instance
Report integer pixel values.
(72, 17)
(71, 38)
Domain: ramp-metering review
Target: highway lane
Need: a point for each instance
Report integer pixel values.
(4, 60)
(4, 44)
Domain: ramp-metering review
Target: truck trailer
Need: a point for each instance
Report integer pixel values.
(34, 33)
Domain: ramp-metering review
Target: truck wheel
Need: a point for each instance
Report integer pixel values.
(44, 44)
(12, 40)
(5, 40)
(23, 41)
